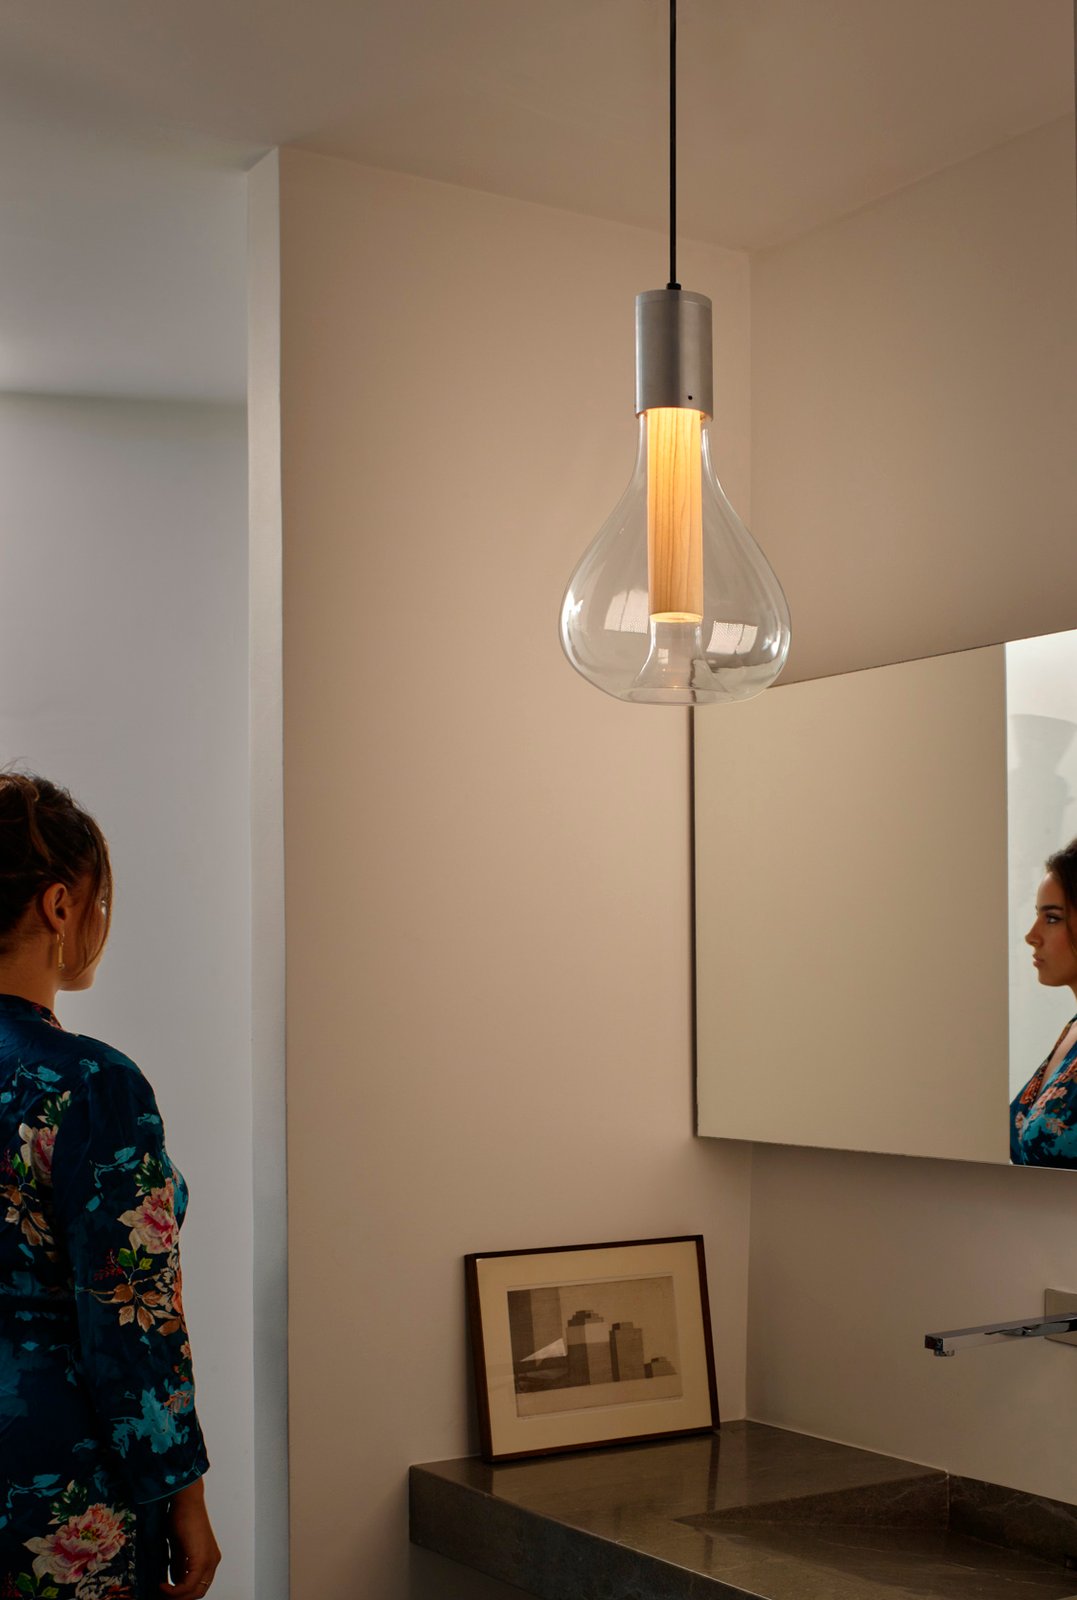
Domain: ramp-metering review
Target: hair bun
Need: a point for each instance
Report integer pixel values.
(46, 837)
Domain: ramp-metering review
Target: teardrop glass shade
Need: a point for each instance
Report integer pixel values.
(700, 636)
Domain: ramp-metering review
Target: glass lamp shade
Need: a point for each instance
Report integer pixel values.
(674, 603)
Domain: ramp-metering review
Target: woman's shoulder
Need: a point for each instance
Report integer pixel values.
(84, 1061)
(94, 1058)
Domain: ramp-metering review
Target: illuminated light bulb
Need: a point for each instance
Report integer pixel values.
(674, 603)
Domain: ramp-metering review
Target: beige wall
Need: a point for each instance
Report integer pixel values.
(914, 371)
(855, 1257)
(913, 414)
(486, 859)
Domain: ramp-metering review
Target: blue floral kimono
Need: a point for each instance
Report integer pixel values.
(1043, 1118)
(97, 1420)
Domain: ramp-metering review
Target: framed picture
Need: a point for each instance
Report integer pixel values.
(590, 1344)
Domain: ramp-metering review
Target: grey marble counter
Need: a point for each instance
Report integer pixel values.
(750, 1512)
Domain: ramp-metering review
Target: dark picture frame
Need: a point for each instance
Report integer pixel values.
(578, 1346)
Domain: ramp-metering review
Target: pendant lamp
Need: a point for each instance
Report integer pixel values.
(674, 603)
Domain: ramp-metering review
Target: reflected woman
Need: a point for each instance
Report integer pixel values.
(1043, 1118)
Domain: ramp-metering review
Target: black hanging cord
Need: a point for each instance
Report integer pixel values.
(672, 284)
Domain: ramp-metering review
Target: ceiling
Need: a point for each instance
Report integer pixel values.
(124, 129)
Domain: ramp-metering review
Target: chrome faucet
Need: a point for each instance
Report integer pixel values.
(948, 1344)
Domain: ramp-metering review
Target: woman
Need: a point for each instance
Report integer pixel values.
(101, 1455)
(1043, 1118)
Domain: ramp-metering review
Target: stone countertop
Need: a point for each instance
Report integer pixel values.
(749, 1512)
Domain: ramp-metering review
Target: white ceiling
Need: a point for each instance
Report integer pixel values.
(123, 129)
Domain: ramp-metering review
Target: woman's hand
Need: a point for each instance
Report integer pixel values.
(193, 1555)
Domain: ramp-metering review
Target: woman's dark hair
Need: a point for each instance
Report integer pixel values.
(1063, 866)
(45, 838)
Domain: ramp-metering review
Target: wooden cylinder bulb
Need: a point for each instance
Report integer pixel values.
(675, 514)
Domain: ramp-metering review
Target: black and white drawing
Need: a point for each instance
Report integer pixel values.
(579, 1345)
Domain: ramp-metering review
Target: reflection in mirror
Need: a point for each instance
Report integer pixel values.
(852, 912)
(882, 964)
(1041, 711)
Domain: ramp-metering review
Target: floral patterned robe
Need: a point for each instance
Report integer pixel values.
(1043, 1117)
(97, 1420)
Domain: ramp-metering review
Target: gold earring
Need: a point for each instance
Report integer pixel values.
(59, 952)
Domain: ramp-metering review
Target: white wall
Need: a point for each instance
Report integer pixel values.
(915, 389)
(269, 1124)
(123, 660)
(487, 861)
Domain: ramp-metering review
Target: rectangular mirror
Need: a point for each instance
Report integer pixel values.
(868, 851)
